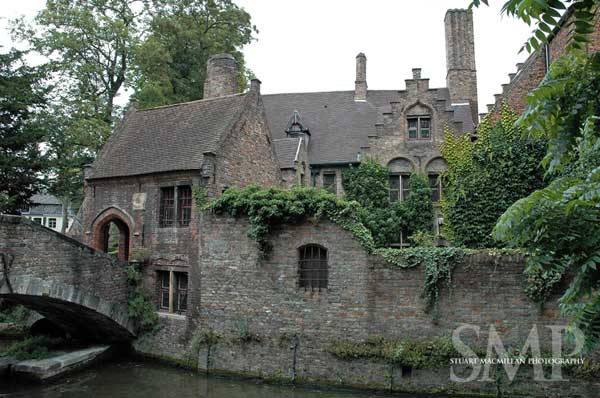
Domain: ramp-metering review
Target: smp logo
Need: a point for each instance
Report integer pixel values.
(497, 354)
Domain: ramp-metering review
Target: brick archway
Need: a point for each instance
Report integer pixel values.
(101, 228)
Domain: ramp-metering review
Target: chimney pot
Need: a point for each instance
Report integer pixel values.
(221, 76)
(416, 73)
(255, 85)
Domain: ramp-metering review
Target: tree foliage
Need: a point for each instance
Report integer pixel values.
(559, 225)
(545, 15)
(170, 63)
(485, 177)
(23, 94)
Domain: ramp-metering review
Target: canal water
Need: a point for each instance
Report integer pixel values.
(142, 379)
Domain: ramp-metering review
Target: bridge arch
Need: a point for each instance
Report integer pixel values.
(102, 231)
(78, 312)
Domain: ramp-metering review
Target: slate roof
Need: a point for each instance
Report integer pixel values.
(339, 126)
(168, 138)
(286, 150)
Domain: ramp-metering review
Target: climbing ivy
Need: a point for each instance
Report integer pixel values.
(271, 208)
(368, 184)
(485, 177)
(438, 262)
(139, 302)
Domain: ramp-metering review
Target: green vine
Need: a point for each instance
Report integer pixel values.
(200, 195)
(139, 302)
(438, 262)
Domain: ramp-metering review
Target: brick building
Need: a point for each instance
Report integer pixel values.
(530, 73)
(139, 192)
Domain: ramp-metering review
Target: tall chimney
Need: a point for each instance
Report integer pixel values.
(461, 76)
(360, 85)
(221, 76)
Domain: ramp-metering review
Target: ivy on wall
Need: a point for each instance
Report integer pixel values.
(368, 184)
(485, 177)
(271, 208)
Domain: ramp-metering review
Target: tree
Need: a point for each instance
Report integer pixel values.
(171, 61)
(90, 45)
(22, 94)
(559, 225)
(485, 177)
(546, 14)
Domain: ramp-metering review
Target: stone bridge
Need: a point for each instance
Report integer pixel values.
(78, 288)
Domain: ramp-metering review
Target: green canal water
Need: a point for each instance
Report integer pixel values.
(141, 379)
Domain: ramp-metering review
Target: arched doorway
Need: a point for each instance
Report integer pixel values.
(112, 234)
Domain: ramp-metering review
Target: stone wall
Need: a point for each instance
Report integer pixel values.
(272, 328)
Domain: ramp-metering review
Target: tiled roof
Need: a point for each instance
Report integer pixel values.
(168, 138)
(286, 149)
(338, 125)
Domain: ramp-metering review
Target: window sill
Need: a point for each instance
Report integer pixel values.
(170, 315)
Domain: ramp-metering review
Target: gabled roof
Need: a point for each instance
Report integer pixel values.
(168, 138)
(286, 150)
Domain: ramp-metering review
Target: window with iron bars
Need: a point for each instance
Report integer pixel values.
(313, 271)
(175, 206)
(172, 291)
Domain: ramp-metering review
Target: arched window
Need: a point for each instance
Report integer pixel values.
(312, 267)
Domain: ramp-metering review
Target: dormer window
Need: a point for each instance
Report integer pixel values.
(419, 127)
(295, 127)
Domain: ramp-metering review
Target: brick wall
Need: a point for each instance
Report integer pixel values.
(531, 73)
(364, 297)
(246, 155)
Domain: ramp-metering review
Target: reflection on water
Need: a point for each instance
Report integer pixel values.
(137, 379)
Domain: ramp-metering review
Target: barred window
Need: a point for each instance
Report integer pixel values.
(164, 281)
(172, 291)
(313, 272)
(175, 206)
(184, 205)
(167, 207)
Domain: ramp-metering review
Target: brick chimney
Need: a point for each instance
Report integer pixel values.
(360, 85)
(461, 76)
(221, 76)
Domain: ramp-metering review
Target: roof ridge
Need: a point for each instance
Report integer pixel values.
(192, 102)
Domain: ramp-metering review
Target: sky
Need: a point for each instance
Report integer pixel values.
(311, 45)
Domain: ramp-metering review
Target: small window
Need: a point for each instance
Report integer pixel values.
(436, 187)
(399, 187)
(172, 297)
(419, 127)
(184, 205)
(52, 223)
(313, 272)
(167, 207)
(329, 182)
(37, 220)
